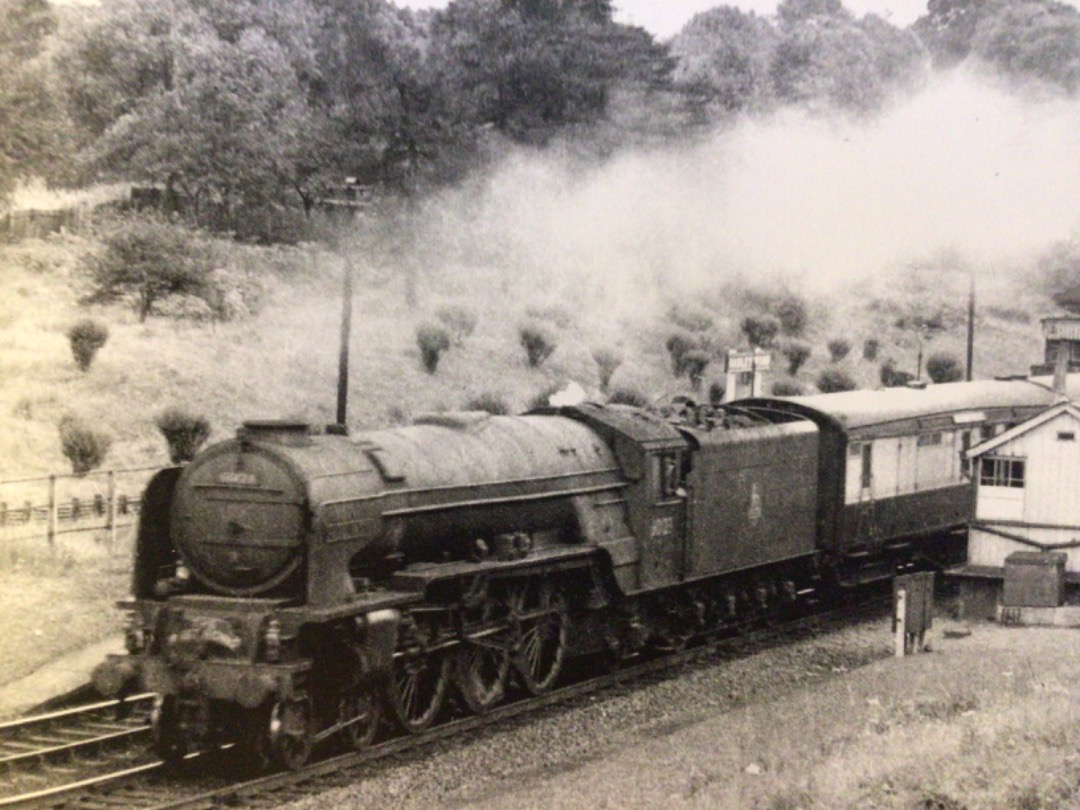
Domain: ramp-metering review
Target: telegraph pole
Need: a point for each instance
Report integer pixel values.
(343, 356)
(971, 325)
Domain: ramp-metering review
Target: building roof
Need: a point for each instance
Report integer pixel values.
(1050, 413)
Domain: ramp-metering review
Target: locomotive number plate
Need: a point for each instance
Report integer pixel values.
(236, 478)
(663, 526)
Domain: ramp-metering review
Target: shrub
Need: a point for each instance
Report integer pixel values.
(184, 432)
(716, 392)
(607, 359)
(538, 342)
(797, 353)
(148, 259)
(838, 349)
(432, 340)
(870, 349)
(891, 377)
(556, 314)
(832, 380)
(790, 311)
(786, 388)
(83, 446)
(942, 368)
(459, 321)
(760, 330)
(690, 318)
(678, 345)
(86, 337)
(491, 403)
(628, 396)
(694, 364)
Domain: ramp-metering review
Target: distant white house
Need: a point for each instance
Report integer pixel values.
(1027, 497)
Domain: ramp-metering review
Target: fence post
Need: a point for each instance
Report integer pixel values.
(51, 535)
(111, 521)
(900, 621)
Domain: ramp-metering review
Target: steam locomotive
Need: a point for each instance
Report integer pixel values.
(293, 587)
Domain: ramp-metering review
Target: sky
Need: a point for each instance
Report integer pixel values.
(665, 18)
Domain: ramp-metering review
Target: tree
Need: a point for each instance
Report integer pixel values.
(147, 260)
(723, 59)
(1039, 39)
(30, 119)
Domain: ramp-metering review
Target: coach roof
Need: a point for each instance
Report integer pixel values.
(866, 410)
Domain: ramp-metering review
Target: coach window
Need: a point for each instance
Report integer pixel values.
(867, 458)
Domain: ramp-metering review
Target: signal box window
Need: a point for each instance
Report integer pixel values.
(1002, 472)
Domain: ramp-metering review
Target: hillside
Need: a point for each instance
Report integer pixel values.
(282, 361)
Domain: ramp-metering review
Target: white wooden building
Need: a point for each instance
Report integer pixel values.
(1027, 495)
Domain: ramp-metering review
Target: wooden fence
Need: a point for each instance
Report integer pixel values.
(17, 225)
(48, 506)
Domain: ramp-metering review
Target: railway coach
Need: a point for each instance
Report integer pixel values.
(891, 479)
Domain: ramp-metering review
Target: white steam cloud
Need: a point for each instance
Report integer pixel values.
(963, 166)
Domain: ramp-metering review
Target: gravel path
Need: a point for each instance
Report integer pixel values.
(468, 768)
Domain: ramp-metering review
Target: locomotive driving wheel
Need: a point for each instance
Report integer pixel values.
(482, 659)
(540, 614)
(418, 683)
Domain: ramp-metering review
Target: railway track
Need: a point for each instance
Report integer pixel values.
(148, 785)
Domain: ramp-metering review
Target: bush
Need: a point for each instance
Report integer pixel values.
(797, 353)
(832, 380)
(86, 337)
(891, 377)
(184, 432)
(716, 392)
(870, 349)
(760, 330)
(786, 388)
(432, 340)
(690, 318)
(491, 403)
(556, 314)
(694, 364)
(678, 345)
(147, 259)
(943, 368)
(628, 396)
(84, 447)
(790, 311)
(838, 349)
(538, 342)
(459, 321)
(607, 359)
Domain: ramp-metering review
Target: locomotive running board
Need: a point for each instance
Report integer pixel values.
(420, 578)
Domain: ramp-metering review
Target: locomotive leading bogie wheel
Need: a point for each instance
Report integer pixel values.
(417, 689)
(540, 650)
(291, 733)
(359, 710)
(168, 737)
(480, 670)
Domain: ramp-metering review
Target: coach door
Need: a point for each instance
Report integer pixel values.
(665, 542)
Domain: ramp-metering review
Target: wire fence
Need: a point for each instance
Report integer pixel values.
(102, 502)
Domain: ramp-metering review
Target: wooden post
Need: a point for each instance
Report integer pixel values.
(110, 511)
(51, 531)
(901, 629)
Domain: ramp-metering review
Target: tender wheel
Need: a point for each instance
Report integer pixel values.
(480, 672)
(541, 644)
(169, 741)
(417, 689)
(360, 710)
